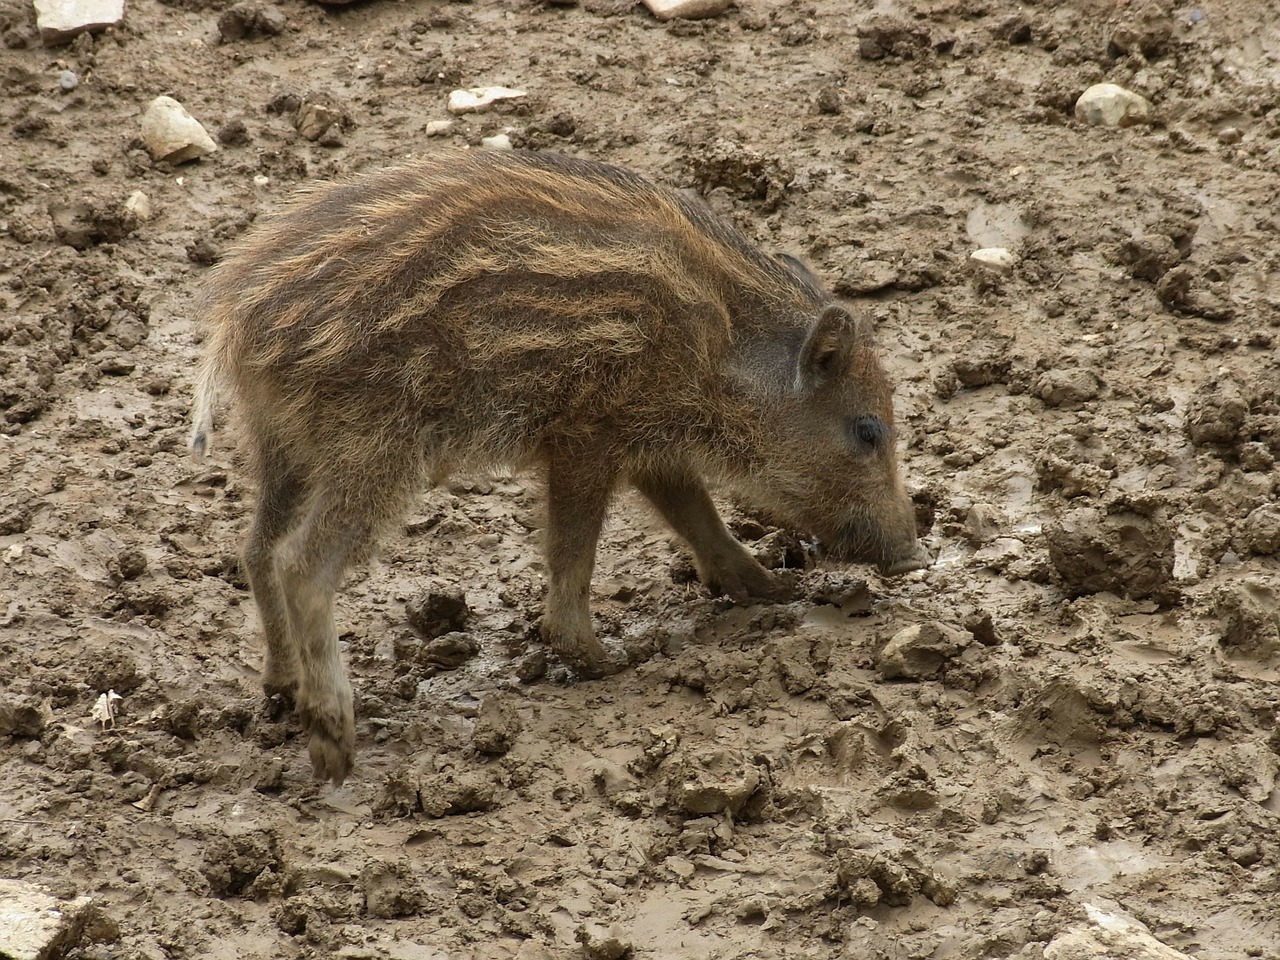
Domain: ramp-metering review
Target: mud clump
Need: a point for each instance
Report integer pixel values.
(1217, 413)
(1261, 530)
(1123, 553)
(251, 21)
(921, 651)
(743, 171)
(1250, 612)
(887, 35)
(90, 221)
(391, 890)
(889, 879)
(23, 715)
(243, 863)
(496, 727)
(716, 781)
(441, 611)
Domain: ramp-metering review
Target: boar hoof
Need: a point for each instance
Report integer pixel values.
(331, 740)
(746, 582)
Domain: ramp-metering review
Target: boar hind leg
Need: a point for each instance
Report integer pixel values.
(579, 488)
(724, 564)
(281, 493)
(335, 532)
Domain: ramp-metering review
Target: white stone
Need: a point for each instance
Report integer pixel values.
(138, 205)
(62, 20)
(499, 141)
(172, 134)
(476, 99)
(1110, 934)
(31, 920)
(686, 9)
(1112, 106)
(995, 259)
(438, 128)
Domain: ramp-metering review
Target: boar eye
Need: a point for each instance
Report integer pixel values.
(867, 432)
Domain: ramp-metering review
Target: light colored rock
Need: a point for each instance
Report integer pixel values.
(172, 134)
(498, 141)
(921, 651)
(138, 204)
(34, 924)
(438, 128)
(686, 9)
(475, 99)
(994, 259)
(61, 21)
(1112, 106)
(1110, 934)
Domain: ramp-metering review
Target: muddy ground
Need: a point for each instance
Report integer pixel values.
(1071, 714)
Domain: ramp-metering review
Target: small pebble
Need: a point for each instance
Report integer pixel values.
(498, 141)
(438, 128)
(138, 205)
(995, 259)
(67, 80)
(1109, 105)
(476, 99)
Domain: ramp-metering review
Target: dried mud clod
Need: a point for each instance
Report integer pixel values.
(245, 862)
(1124, 553)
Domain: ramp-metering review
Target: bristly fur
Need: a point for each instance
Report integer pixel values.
(513, 308)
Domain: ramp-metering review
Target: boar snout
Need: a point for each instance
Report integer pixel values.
(913, 558)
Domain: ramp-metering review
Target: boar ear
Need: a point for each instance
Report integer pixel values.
(827, 345)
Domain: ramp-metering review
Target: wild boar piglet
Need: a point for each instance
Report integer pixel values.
(489, 310)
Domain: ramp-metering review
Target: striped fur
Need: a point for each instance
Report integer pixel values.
(484, 309)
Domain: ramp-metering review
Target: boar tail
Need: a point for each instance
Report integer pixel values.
(206, 396)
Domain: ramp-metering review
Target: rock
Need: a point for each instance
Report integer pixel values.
(67, 81)
(60, 21)
(138, 204)
(1262, 530)
(994, 259)
(1124, 553)
(172, 134)
(1112, 106)
(920, 651)
(438, 128)
(499, 141)
(83, 223)
(322, 121)
(1109, 934)
(476, 99)
(686, 9)
(35, 925)
(1067, 388)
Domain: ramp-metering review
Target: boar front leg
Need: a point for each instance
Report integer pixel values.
(580, 484)
(724, 564)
